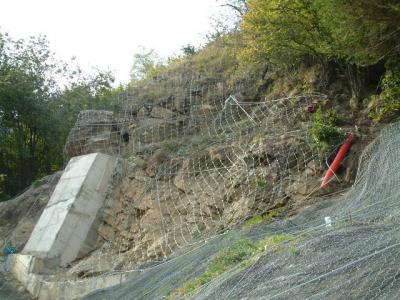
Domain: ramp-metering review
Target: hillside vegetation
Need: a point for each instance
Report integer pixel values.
(221, 149)
(276, 46)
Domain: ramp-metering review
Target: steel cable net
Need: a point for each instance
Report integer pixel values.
(196, 159)
(354, 256)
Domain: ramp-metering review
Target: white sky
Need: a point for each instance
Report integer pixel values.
(106, 34)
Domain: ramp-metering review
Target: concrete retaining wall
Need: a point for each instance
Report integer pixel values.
(63, 227)
(63, 231)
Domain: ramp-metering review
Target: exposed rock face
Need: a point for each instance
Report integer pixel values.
(19, 216)
(191, 175)
(167, 203)
(152, 130)
(143, 112)
(161, 113)
(94, 131)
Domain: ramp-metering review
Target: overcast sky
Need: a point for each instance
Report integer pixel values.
(106, 34)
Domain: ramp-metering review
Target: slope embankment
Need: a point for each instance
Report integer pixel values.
(355, 256)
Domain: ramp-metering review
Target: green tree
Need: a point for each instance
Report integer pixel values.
(362, 31)
(284, 32)
(26, 86)
(188, 50)
(36, 114)
(146, 65)
(87, 92)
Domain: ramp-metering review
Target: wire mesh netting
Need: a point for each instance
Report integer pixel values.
(197, 159)
(354, 256)
(195, 162)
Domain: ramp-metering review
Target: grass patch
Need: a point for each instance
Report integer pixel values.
(198, 233)
(268, 216)
(292, 249)
(272, 240)
(171, 146)
(202, 140)
(239, 252)
(263, 184)
(176, 146)
(242, 253)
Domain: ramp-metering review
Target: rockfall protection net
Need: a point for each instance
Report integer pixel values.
(212, 160)
(197, 158)
(355, 256)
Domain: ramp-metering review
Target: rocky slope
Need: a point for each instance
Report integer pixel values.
(301, 257)
(194, 163)
(19, 216)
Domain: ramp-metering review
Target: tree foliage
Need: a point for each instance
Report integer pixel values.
(25, 121)
(36, 113)
(188, 50)
(388, 105)
(285, 31)
(282, 31)
(146, 65)
(363, 32)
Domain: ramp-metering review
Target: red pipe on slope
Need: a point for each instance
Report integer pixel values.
(337, 161)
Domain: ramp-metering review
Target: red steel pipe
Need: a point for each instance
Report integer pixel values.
(337, 161)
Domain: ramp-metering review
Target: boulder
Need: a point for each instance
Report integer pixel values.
(161, 113)
(143, 112)
(94, 131)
